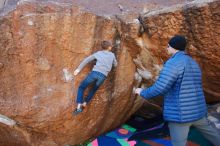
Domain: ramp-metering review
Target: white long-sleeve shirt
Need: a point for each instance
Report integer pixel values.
(104, 61)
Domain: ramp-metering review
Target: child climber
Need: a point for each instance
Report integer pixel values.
(104, 61)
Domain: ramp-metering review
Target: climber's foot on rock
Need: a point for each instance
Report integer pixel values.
(84, 104)
(77, 111)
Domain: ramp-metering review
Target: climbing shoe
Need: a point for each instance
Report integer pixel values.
(77, 111)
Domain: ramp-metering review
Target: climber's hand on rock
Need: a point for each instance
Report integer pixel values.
(76, 72)
(138, 91)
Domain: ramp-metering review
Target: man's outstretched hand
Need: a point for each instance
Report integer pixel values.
(138, 91)
(76, 72)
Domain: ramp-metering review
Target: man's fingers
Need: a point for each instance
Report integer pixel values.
(138, 91)
(76, 72)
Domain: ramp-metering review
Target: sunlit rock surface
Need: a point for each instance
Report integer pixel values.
(41, 43)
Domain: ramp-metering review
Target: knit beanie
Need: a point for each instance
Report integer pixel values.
(178, 42)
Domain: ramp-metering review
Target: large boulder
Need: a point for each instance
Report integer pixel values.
(41, 43)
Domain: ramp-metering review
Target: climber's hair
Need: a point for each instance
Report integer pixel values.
(106, 44)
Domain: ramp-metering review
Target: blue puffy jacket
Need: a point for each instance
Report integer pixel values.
(180, 84)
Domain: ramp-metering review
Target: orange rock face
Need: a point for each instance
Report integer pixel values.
(199, 22)
(42, 43)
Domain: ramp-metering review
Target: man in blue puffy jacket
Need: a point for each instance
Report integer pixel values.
(180, 82)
